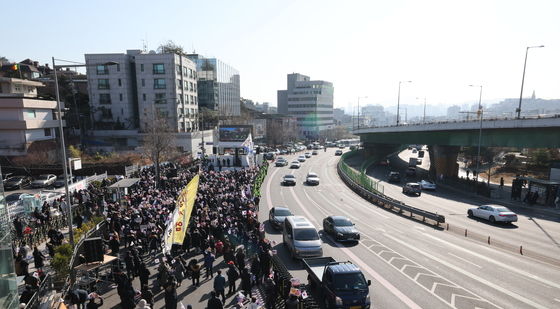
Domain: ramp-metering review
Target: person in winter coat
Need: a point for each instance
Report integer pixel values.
(179, 270)
(240, 259)
(148, 296)
(171, 294)
(209, 259)
(195, 272)
(163, 274)
(246, 282)
(143, 273)
(38, 258)
(292, 302)
(214, 302)
(220, 285)
(95, 301)
(256, 270)
(232, 277)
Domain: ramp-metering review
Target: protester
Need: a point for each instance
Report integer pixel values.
(220, 285)
(214, 302)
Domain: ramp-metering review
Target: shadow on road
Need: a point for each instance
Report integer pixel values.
(502, 225)
(328, 239)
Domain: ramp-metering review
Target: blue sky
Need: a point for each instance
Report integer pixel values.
(363, 47)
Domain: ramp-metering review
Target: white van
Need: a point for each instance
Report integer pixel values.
(301, 238)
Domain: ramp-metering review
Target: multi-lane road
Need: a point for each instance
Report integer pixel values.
(411, 265)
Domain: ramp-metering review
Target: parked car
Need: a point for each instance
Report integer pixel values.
(14, 198)
(60, 181)
(427, 185)
(301, 158)
(43, 181)
(288, 180)
(315, 152)
(295, 164)
(312, 179)
(17, 182)
(394, 177)
(340, 228)
(277, 215)
(338, 152)
(493, 213)
(308, 154)
(412, 188)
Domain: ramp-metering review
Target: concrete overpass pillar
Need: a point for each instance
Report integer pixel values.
(443, 161)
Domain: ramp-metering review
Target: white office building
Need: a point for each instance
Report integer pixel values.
(310, 101)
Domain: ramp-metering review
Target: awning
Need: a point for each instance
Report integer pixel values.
(124, 183)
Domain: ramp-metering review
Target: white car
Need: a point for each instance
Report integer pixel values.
(288, 180)
(312, 179)
(493, 213)
(295, 164)
(427, 185)
(301, 158)
(308, 154)
(44, 180)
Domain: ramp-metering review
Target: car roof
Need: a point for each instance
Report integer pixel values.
(339, 218)
(300, 221)
(412, 183)
(311, 174)
(281, 208)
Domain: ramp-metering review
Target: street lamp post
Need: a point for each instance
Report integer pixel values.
(399, 98)
(359, 110)
(63, 150)
(518, 110)
(480, 114)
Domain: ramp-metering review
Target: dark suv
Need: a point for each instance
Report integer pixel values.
(394, 177)
(412, 188)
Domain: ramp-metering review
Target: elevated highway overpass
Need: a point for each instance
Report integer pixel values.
(445, 138)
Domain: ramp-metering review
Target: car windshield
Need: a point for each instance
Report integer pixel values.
(43, 177)
(311, 175)
(16, 178)
(282, 212)
(415, 186)
(502, 209)
(342, 222)
(306, 234)
(346, 282)
(289, 176)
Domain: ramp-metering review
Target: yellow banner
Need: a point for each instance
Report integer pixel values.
(185, 201)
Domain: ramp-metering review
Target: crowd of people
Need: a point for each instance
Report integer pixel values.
(224, 241)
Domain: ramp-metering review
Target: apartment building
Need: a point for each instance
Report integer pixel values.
(310, 101)
(127, 91)
(26, 121)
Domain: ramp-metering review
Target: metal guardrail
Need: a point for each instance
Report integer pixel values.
(45, 287)
(384, 201)
(283, 285)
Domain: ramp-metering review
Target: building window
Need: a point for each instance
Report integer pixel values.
(102, 69)
(141, 67)
(143, 83)
(104, 98)
(31, 114)
(178, 69)
(47, 131)
(120, 96)
(144, 97)
(160, 98)
(185, 72)
(118, 67)
(159, 83)
(120, 83)
(159, 68)
(162, 111)
(103, 84)
(179, 84)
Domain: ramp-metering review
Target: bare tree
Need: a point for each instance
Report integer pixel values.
(159, 143)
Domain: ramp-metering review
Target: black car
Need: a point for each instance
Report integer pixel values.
(17, 182)
(394, 177)
(341, 228)
(277, 215)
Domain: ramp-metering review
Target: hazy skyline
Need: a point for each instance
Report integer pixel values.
(363, 47)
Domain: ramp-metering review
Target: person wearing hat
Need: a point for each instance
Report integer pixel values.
(232, 277)
(95, 301)
(142, 304)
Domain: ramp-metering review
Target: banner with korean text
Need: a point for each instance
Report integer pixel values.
(185, 202)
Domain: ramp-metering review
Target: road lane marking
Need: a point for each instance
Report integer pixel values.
(472, 276)
(556, 299)
(464, 260)
(268, 197)
(514, 269)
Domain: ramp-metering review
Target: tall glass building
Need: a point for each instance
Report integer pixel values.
(9, 298)
(218, 85)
